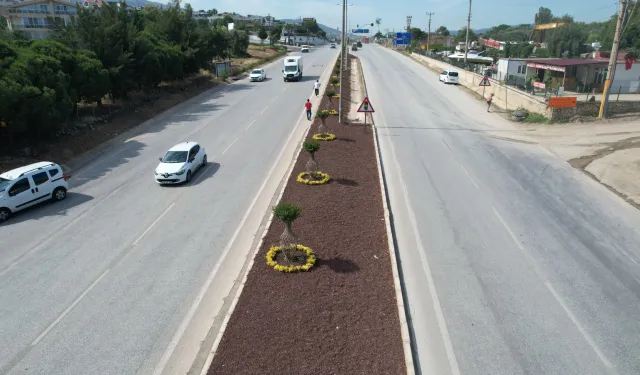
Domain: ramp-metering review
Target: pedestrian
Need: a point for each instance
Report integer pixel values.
(489, 101)
(316, 86)
(307, 106)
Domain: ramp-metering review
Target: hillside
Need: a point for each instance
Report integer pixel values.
(329, 30)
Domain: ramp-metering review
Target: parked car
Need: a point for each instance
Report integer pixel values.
(449, 76)
(30, 185)
(258, 75)
(180, 163)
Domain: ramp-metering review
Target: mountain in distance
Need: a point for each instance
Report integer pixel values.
(477, 31)
(331, 31)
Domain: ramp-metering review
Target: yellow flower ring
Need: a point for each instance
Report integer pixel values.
(336, 96)
(333, 112)
(303, 178)
(324, 137)
(271, 256)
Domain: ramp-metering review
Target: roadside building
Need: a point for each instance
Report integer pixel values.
(512, 71)
(570, 74)
(36, 18)
(627, 76)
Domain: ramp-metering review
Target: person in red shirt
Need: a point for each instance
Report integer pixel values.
(307, 106)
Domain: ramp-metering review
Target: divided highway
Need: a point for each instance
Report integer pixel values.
(513, 261)
(106, 281)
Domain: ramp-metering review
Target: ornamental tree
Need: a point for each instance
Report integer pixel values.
(322, 115)
(312, 165)
(287, 213)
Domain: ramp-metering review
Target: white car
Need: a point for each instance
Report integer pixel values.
(29, 185)
(332, 45)
(180, 163)
(304, 48)
(258, 75)
(449, 76)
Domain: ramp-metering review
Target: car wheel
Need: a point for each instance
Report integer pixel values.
(5, 213)
(204, 160)
(188, 176)
(59, 194)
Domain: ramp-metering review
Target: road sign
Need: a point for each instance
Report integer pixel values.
(485, 82)
(360, 31)
(366, 106)
(563, 102)
(403, 38)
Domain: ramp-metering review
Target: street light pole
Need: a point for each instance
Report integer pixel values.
(342, 47)
(429, 33)
(466, 47)
(613, 61)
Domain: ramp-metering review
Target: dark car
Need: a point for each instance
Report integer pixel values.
(359, 44)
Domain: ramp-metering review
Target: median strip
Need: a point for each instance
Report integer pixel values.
(328, 303)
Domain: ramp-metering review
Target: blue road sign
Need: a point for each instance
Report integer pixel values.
(403, 38)
(360, 31)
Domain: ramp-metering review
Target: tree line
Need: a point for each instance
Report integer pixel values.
(108, 51)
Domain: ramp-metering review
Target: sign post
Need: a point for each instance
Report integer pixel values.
(484, 83)
(365, 108)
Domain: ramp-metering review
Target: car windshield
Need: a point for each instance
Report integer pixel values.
(291, 68)
(3, 184)
(453, 74)
(256, 71)
(175, 157)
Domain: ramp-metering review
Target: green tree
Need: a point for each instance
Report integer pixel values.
(239, 42)
(568, 39)
(262, 34)
(442, 30)
(543, 16)
(462, 35)
(378, 23)
(274, 34)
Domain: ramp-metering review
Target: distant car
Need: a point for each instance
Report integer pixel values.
(359, 44)
(180, 163)
(29, 185)
(354, 47)
(333, 45)
(304, 48)
(449, 76)
(258, 75)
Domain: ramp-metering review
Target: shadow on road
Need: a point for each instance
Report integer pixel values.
(49, 208)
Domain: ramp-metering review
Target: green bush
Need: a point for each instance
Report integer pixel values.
(286, 212)
(311, 146)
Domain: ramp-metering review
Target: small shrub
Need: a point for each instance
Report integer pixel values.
(335, 80)
(323, 114)
(286, 212)
(331, 94)
(311, 146)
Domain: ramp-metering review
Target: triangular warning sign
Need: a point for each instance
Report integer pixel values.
(366, 106)
(485, 81)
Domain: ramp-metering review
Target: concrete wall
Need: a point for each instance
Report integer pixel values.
(505, 97)
(592, 109)
(627, 81)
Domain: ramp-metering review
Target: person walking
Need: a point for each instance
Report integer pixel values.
(489, 101)
(307, 106)
(316, 87)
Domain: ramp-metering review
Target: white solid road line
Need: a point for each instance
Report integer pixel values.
(228, 147)
(153, 224)
(274, 99)
(55, 322)
(461, 165)
(248, 126)
(442, 323)
(264, 110)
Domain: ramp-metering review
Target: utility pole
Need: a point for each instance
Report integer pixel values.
(429, 33)
(342, 57)
(613, 61)
(466, 47)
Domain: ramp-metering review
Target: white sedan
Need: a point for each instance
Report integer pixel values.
(258, 75)
(180, 162)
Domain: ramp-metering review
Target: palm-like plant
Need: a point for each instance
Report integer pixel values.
(378, 22)
(330, 94)
(287, 213)
(322, 115)
(312, 165)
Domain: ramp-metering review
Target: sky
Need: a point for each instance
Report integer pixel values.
(450, 13)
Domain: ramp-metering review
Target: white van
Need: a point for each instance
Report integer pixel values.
(449, 76)
(292, 68)
(29, 185)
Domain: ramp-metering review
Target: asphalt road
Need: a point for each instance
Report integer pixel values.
(513, 261)
(101, 282)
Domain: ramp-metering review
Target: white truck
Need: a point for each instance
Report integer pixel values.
(292, 68)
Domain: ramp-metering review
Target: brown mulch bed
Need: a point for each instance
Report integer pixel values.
(341, 316)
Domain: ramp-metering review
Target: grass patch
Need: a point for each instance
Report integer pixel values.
(523, 115)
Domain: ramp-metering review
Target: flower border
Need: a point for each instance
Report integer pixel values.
(333, 112)
(306, 181)
(324, 137)
(273, 251)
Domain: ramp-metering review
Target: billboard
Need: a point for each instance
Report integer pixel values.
(310, 19)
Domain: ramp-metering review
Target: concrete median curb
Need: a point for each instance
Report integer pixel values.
(393, 251)
(281, 188)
